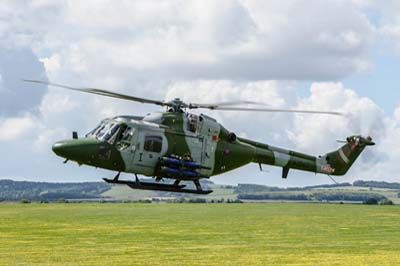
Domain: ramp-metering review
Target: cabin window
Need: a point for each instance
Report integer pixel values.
(153, 143)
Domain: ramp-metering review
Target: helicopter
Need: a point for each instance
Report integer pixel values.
(181, 146)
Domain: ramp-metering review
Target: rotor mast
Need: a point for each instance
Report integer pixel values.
(177, 105)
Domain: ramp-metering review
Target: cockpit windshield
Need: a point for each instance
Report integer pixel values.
(108, 134)
(110, 131)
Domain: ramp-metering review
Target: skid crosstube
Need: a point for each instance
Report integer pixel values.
(155, 186)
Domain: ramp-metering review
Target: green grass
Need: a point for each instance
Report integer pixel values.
(119, 192)
(125, 193)
(199, 234)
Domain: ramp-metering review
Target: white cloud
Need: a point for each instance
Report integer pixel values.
(52, 64)
(317, 134)
(201, 51)
(196, 39)
(386, 166)
(57, 102)
(397, 115)
(313, 134)
(46, 137)
(263, 126)
(16, 64)
(392, 34)
(362, 116)
(387, 24)
(12, 129)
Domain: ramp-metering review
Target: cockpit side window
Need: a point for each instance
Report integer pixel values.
(192, 122)
(124, 138)
(153, 143)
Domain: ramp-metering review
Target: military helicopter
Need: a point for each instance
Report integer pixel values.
(182, 146)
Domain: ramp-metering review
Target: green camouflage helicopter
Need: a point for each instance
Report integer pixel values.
(184, 146)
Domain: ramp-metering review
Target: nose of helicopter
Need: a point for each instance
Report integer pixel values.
(76, 150)
(61, 148)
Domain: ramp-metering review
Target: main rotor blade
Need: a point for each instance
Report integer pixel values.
(102, 92)
(216, 105)
(275, 110)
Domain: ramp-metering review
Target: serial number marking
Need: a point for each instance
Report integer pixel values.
(327, 169)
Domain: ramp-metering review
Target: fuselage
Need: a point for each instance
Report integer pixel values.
(136, 144)
(139, 144)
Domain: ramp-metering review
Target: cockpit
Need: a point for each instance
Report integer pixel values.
(113, 132)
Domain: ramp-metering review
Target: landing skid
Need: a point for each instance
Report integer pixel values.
(156, 186)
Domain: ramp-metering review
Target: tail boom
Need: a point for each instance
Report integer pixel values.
(334, 163)
(342, 159)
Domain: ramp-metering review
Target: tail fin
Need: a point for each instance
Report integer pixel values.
(340, 161)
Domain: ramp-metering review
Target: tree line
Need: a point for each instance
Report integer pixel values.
(45, 191)
(314, 196)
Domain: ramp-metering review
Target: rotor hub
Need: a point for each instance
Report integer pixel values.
(177, 104)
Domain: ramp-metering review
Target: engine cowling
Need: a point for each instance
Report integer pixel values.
(232, 137)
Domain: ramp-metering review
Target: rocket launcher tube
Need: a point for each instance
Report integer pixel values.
(179, 173)
(177, 163)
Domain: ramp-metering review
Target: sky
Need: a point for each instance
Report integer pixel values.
(331, 55)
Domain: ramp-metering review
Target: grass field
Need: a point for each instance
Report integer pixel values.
(199, 234)
(125, 193)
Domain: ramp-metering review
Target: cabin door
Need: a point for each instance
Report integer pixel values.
(149, 148)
